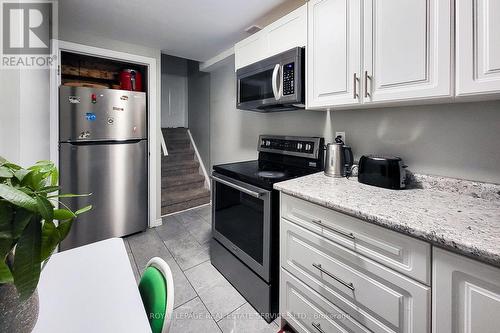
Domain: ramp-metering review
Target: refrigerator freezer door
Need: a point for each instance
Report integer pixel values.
(88, 114)
(116, 175)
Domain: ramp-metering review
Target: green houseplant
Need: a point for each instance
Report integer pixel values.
(29, 235)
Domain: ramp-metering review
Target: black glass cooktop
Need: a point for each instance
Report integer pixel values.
(262, 173)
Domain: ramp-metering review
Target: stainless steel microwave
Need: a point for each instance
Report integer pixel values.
(273, 84)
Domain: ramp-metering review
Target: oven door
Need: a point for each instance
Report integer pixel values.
(241, 221)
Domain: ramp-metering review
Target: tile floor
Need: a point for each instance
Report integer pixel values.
(204, 300)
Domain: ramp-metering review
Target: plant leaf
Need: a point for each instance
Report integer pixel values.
(63, 214)
(5, 273)
(50, 239)
(20, 174)
(45, 208)
(26, 270)
(5, 172)
(48, 189)
(5, 220)
(83, 210)
(21, 219)
(2, 160)
(64, 228)
(67, 195)
(18, 197)
(11, 166)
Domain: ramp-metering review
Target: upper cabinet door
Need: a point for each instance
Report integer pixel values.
(478, 46)
(288, 32)
(250, 50)
(407, 49)
(282, 35)
(333, 53)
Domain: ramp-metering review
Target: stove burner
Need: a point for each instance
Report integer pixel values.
(271, 174)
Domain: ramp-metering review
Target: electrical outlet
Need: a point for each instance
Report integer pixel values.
(341, 134)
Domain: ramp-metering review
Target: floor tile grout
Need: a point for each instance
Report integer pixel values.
(239, 307)
(201, 263)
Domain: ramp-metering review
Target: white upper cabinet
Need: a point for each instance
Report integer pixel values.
(407, 49)
(288, 32)
(333, 53)
(466, 295)
(477, 47)
(378, 51)
(250, 50)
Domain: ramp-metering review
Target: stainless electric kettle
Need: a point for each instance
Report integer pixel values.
(339, 159)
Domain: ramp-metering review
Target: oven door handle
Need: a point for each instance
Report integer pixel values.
(240, 188)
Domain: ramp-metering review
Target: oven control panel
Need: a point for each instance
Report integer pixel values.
(289, 79)
(308, 147)
(288, 145)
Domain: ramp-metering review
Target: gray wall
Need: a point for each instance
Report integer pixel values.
(199, 110)
(455, 140)
(174, 91)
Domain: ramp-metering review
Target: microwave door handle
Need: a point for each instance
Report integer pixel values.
(276, 90)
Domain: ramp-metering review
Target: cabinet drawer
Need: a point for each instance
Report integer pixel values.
(380, 298)
(399, 252)
(307, 311)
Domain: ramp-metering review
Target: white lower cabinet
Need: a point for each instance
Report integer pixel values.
(466, 295)
(370, 293)
(337, 275)
(310, 312)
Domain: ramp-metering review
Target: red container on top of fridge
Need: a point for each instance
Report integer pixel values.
(131, 79)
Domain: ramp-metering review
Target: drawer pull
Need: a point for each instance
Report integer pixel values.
(343, 233)
(322, 270)
(317, 327)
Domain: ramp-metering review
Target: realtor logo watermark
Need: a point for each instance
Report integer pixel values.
(28, 29)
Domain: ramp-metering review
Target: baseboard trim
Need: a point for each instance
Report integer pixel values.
(156, 223)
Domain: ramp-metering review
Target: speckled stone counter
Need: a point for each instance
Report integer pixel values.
(454, 214)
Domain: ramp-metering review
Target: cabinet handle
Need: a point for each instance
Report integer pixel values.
(340, 232)
(322, 270)
(356, 80)
(317, 326)
(367, 94)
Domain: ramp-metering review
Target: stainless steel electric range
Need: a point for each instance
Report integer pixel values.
(245, 215)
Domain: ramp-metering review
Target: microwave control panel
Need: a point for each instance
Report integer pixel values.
(289, 79)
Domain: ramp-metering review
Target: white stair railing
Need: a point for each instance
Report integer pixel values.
(163, 144)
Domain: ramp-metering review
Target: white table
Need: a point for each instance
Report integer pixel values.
(90, 289)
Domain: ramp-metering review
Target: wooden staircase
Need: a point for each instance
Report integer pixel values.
(182, 185)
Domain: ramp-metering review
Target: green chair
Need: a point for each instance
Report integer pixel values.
(157, 292)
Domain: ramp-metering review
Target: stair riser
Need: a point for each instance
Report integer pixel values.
(176, 137)
(171, 146)
(183, 206)
(182, 187)
(179, 171)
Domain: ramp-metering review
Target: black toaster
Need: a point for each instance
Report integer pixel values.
(382, 171)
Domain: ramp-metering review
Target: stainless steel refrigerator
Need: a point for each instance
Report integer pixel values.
(103, 149)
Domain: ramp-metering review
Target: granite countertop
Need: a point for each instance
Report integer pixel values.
(458, 215)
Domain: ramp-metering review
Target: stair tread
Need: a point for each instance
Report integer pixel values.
(188, 177)
(180, 163)
(182, 150)
(174, 197)
(176, 180)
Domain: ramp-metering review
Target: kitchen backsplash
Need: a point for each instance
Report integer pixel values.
(458, 140)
